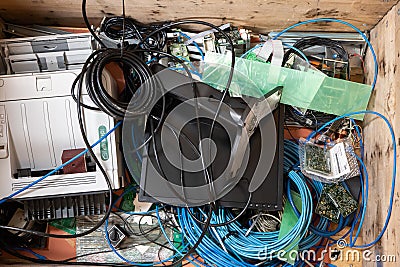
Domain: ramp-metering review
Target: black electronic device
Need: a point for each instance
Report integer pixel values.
(268, 196)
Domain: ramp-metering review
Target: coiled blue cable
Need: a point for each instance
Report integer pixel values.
(291, 157)
(393, 185)
(363, 208)
(252, 246)
(207, 249)
(291, 238)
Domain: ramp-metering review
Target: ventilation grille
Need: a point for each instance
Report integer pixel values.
(65, 207)
(53, 183)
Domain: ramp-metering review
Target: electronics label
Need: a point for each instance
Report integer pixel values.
(339, 163)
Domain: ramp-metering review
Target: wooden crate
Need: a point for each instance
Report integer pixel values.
(265, 16)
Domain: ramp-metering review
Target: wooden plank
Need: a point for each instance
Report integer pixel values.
(1, 28)
(260, 15)
(385, 38)
(348, 256)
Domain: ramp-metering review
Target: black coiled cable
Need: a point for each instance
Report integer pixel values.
(104, 99)
(114, 28)
(309, 42)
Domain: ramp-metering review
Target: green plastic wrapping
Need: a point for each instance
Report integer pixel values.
(289, 220)
(308, 89)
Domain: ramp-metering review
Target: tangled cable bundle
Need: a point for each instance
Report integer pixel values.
(219, 236)
(118, 28)
(244, 246)
(247, 247)
(309, 42)
(103, 98)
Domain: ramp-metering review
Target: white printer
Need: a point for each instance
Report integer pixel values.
(38, 122)
(44, 53)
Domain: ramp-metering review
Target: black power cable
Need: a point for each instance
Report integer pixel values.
(68, 261)
(306, 43)
(101, 168)
(107, 56)
(115, 29)
(226, 90)
(88, 26)
(79, 81)
(227, 222)
(102, 98)
(115, 108)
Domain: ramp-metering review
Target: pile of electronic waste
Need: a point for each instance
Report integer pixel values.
(152, 145)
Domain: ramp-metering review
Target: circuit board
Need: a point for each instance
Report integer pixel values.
(342, 199)
(335, 200)
(316, 159)
(326, 208)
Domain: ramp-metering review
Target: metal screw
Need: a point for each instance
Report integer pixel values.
(398, 11)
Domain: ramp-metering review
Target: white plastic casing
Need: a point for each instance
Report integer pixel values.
(40, 121)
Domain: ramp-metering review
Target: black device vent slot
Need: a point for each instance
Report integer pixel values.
(65, 207)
